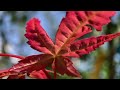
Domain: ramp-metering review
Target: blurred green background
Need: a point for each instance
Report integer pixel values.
(104, 63)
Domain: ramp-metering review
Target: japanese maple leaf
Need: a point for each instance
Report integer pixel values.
(57, 54)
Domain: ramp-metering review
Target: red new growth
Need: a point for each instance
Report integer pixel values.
(57, 55)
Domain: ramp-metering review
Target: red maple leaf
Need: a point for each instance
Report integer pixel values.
(57, 55)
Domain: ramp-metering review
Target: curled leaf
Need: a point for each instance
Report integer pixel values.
(63, 65)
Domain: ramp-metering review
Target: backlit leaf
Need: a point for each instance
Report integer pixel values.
(38, 38)
(85, 46)
(74, 25)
